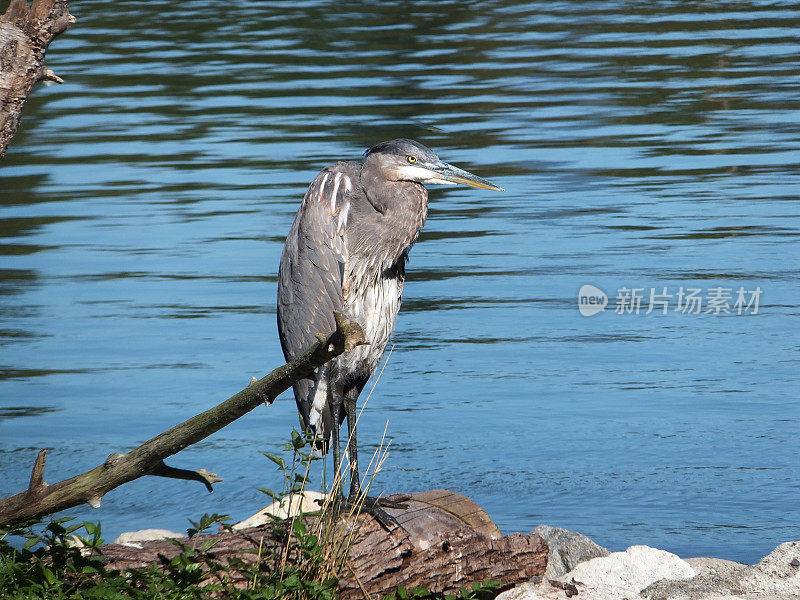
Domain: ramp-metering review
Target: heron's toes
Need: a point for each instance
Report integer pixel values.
(375, 508)
(384, 519)
(394, 501)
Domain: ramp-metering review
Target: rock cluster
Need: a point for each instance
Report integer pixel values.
(581, 569)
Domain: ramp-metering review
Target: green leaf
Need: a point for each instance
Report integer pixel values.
(91, 527)
(56, 528)
(299, 528)
(270, 493)
(298, 441)
(30, 543)
(47, 574)
(276, 459)
(72, 528)
(177, 543)
(208, 544)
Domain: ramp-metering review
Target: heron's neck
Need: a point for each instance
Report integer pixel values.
(400, 210)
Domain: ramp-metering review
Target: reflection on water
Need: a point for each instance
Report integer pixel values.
(144, 202)
(11, 412)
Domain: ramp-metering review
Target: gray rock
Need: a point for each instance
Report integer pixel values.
(783, 563)
(715, 577)
(567, 550)
(715, 567)
(619, 576)
(774, 577)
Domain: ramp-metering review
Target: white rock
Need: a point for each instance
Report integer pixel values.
(545, 591)
(632, 570)
(306, 501)
(524, 591)
(618, 576)
(130, 538)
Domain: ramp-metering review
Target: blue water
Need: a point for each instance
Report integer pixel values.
(144, 203)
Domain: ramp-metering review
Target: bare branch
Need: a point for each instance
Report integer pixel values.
(200, 475)
(148, 459)
(25, 33)
(49, 75)
(37, 475)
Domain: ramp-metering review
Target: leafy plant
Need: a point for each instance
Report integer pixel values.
(302, 561)
(62, 561)
(486, 590)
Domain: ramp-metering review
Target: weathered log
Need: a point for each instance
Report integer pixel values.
(25, 33)
(42, 499)
(444, 541)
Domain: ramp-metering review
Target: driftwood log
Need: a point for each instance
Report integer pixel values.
(444, 541)
(42, 499)
(25, 33)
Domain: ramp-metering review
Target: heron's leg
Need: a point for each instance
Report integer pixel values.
(373, 506)
(335, 401)
(352, 443)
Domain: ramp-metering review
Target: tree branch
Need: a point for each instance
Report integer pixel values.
(200, 475)
(25, 33)
(148, 459)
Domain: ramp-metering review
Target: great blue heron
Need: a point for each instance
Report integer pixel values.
(347, 251)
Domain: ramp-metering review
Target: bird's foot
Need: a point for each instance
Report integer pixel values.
(357, 504)
(393, 501)
(375, 507)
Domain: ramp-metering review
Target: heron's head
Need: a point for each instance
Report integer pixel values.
(407, 160)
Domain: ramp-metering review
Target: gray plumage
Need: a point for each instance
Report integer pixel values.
(346, 251)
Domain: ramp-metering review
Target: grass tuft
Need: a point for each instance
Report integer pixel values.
(302, 561)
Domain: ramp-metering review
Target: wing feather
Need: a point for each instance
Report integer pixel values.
(311, 274)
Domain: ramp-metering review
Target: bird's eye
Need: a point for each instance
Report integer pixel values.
(412, 159)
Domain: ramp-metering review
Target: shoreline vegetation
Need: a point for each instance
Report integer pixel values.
(287, 551)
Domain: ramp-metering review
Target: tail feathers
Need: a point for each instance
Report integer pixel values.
(315, 414)
(320, 447)
(321, 432)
